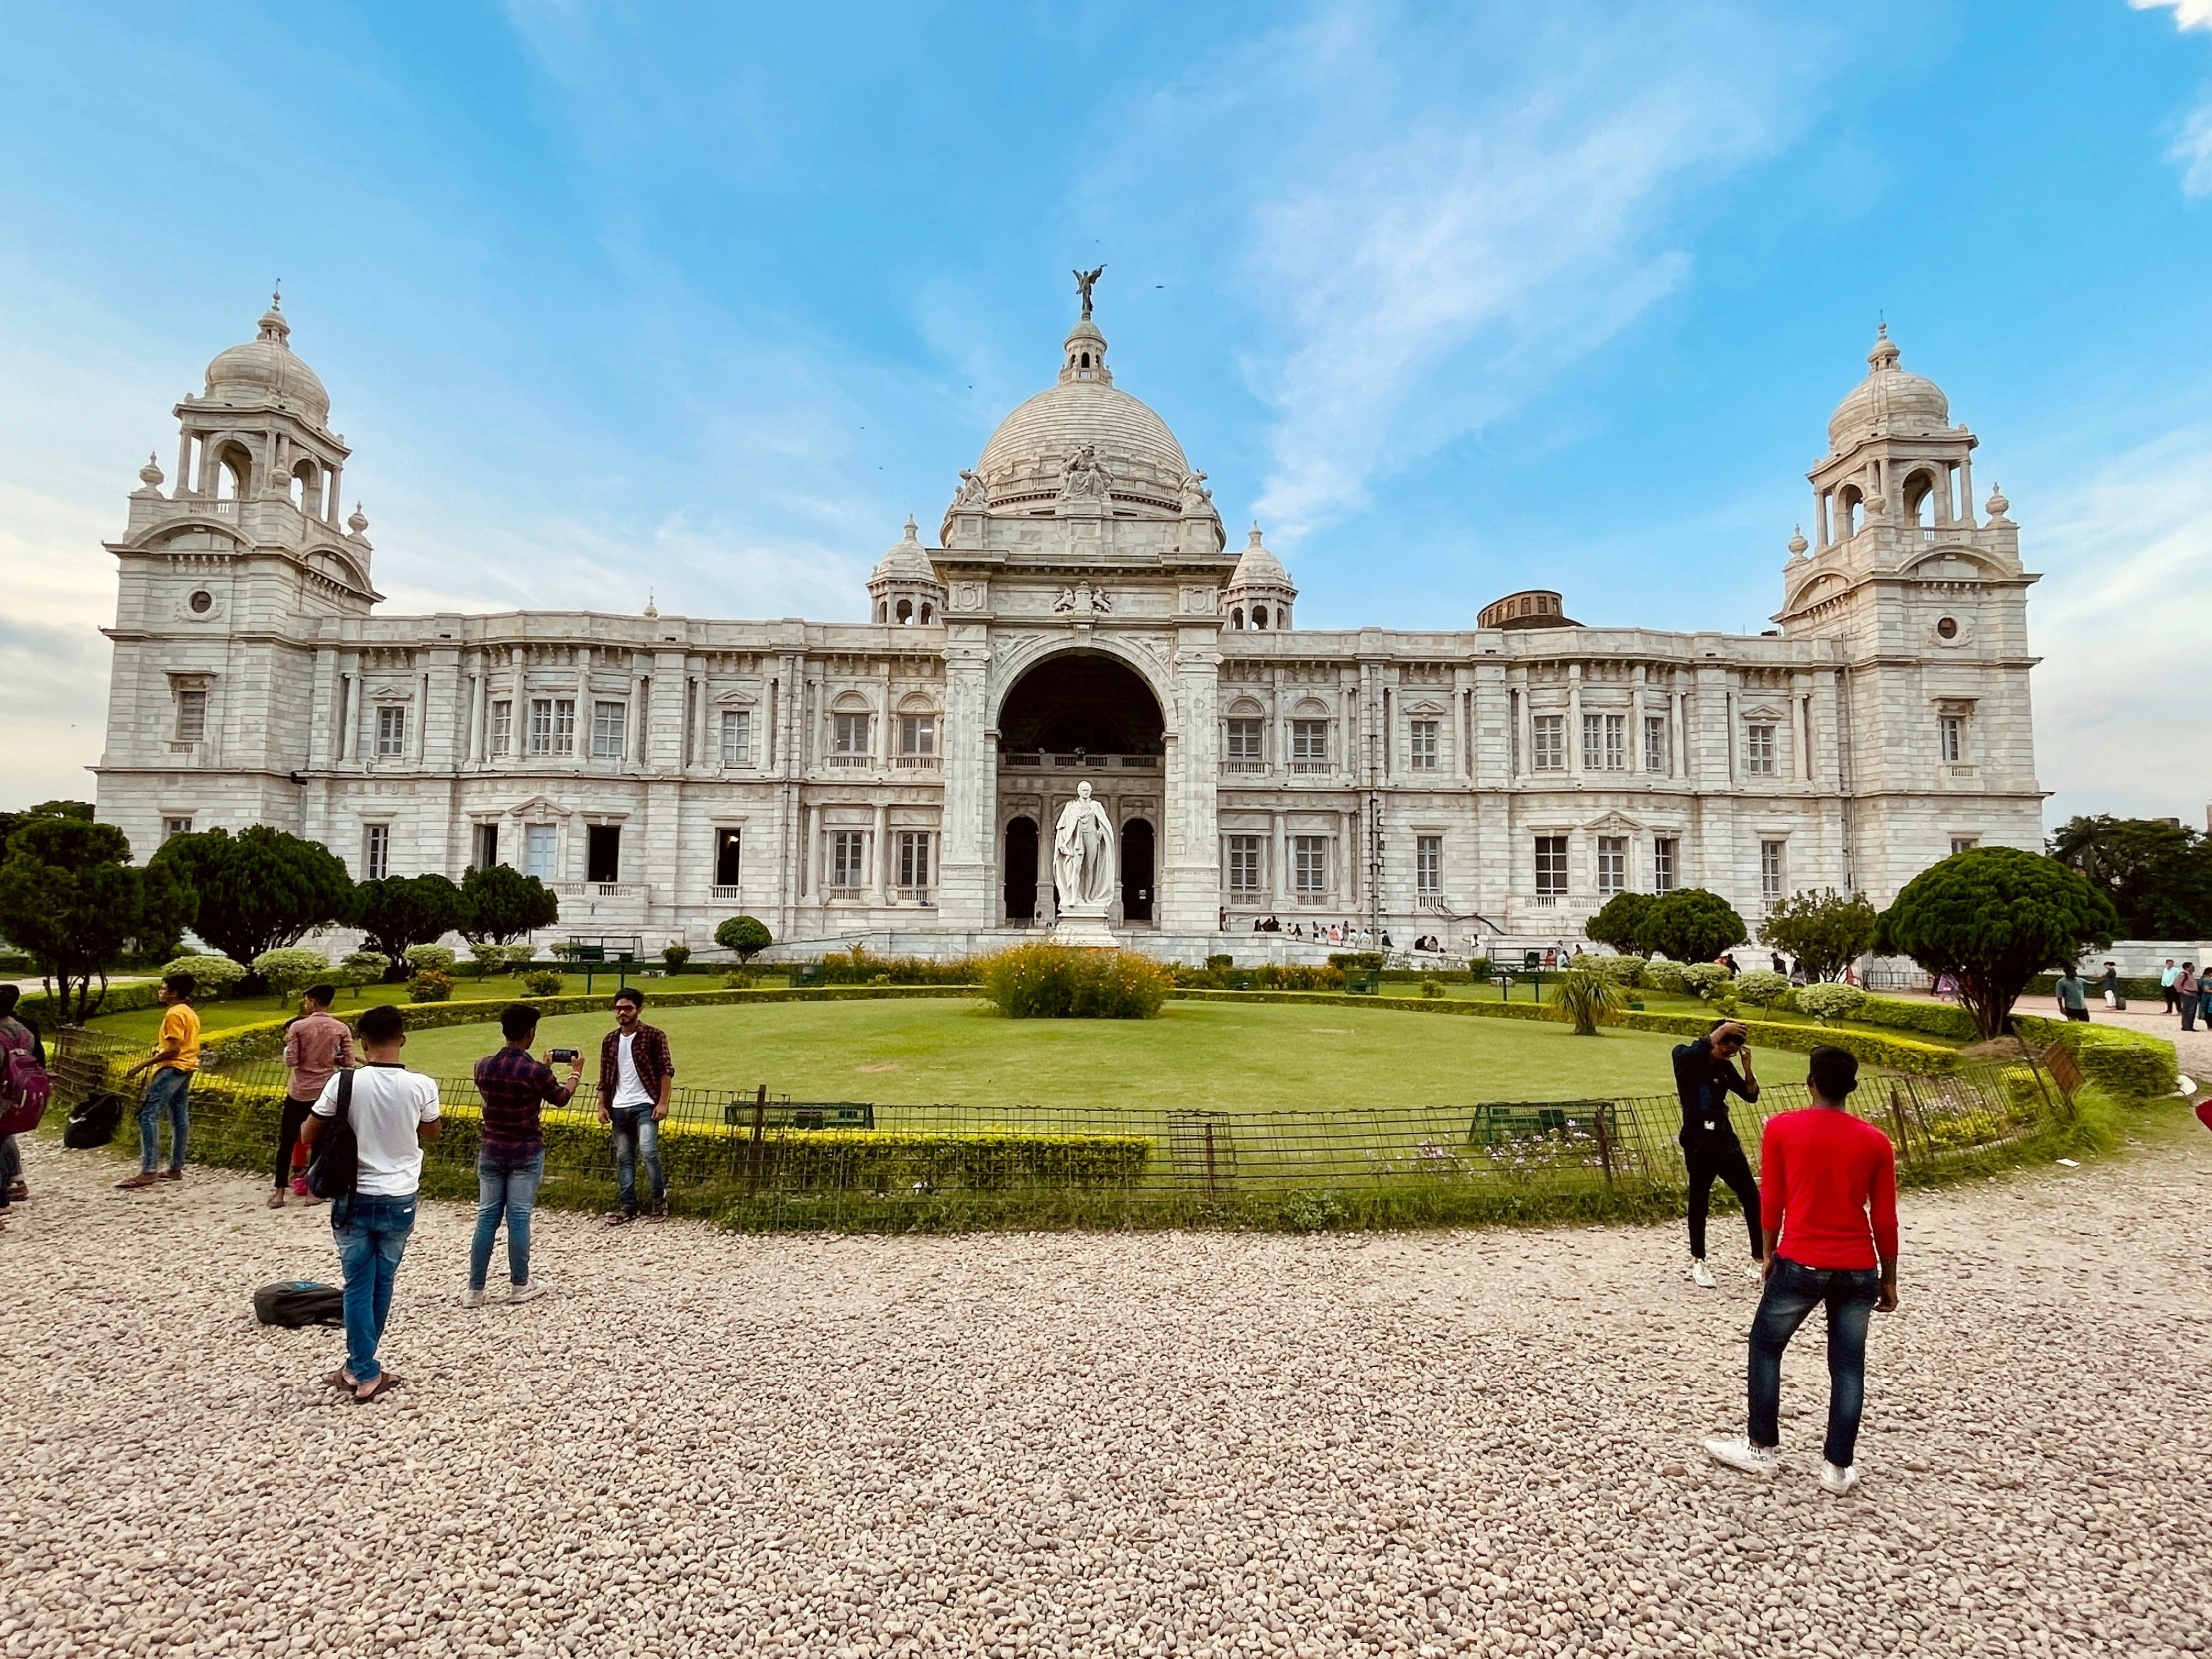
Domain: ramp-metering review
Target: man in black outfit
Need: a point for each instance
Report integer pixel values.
(1704, 1078)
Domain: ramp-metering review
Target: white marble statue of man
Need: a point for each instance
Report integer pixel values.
(1083, 853)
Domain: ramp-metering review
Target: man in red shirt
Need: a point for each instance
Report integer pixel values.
(1828, 1203)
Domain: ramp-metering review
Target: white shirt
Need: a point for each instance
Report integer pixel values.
(628, 1090)
(389, 1102)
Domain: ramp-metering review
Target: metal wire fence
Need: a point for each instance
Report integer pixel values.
(760, 1159)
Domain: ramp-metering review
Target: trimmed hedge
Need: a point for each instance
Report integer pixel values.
(2136, 987)
(2129, 1066)
(36, 1010)
(1932, 1019)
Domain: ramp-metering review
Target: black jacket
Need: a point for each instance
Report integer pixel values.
(1704, 1081)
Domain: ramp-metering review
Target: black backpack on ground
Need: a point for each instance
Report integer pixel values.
(93, 1121)
(293, 1303)
(336, 1165)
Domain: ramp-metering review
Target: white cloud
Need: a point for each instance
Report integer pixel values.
(2188, 14)
(2121, 620)
(2192, 150)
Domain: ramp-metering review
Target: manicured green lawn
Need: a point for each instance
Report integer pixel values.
(1196, 1054)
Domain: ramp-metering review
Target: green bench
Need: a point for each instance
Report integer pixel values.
(1498, 1122)
(800, 1114)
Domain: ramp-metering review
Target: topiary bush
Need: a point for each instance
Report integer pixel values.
(1431, 991)
(1761, 986)
(676, 956)
(429, 985)
(212, 976)
(1625, 971)
(738, 980)
(1702, 978)
(1829, 1003)
(1664, 977)
(544, 982)
(1049, 981)
(432, 958)
(292, 971)
(744, 936)
(363, 967)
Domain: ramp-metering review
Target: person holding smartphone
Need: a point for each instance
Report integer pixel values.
(510, 1162)
(1704, 1077)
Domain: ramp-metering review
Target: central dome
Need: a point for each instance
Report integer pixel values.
(1029, 452)
(1889, 402)
(267, 371)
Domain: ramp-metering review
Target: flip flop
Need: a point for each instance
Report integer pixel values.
(338, 1380)
(386, 1381)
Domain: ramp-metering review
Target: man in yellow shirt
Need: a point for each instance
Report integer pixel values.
(174, 1058)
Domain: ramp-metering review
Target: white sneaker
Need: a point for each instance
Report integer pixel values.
(1739, 1453)
(1701, 1275)
(525, 1293)
(1836, 1481)
(1755, 1269)
(472, 1299)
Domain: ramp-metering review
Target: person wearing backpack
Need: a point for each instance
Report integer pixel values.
(174, 1058)
(387, 1113)
(317, 1047)
(22, 1067)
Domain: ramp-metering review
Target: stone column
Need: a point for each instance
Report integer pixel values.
(970, 748)
(349, 712)
(1190, 871)
(1278, 883)
(881, 864)
(580, 735)
(329, 690)
(1577, 758)
(480, 709)
(183, 465)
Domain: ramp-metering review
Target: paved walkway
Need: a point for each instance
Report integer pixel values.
(1182, 1444)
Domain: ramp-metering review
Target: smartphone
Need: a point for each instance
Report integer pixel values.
(566, 1056)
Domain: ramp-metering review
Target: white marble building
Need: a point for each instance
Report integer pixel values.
(1082, 617)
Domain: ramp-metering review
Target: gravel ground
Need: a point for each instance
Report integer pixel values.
(1049, 1443)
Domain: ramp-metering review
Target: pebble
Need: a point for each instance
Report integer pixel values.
(1179, 1443)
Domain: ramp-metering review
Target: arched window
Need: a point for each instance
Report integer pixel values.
(1851, 512)
(883, 610)
(1920, 501)
(234, 473)
(306, 488)
(906, 612)
(1086, 359)
(1236, 617)
(928, 610)
(1259, 616)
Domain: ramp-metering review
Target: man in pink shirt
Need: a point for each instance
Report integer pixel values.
(1828, 1203)
(316, 1046)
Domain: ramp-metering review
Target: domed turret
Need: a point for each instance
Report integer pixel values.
(266, 371)
(905, 587)
(1889, 402)
(1259, 594)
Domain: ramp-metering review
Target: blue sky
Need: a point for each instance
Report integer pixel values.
(704, 302)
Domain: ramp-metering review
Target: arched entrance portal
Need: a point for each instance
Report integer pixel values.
(1079, 716)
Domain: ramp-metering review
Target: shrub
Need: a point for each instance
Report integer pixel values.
(1431, 991)
(676, 956)
(432, 959)
(1702, 978)
(1343, 960)
(738, 980)
(1219, 965)
(429, 985)
(544, 982)
(1822, 930)
(1292, 977)
(1049, 981)
(1587, 998)
(1625, 971)
(1829, 1003)
(1690, 925)
(2130, 1065)
(744, 936)
(292, 971)
(1664, 977)
(1934, 1019)
(1622, 922)
(499, 958)
(212, 976)
(365, 968)
(1760, 986)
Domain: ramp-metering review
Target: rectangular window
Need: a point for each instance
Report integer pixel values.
(849, 735)
(1428, 865)
(1550, 734)
(1593, 743)
(1309, 741)
(917, 736)
(727, 843)
(737, 738)
(603, 853)
(541, 851)
(1551, 866)
(182, 826)
(502, 726)
(1244, 739)
(484, 849)
(377, 852)
(1759, 749)
(1244, 863)
(391, 730)
(1612, 865)
(607, 722)
(1613, 752)
(1953, 730)
(192, 716)
(1655, 745)
(1770, 871)
(1663, 861)
(914, 860)
(848, 857)
(552, 724)
(1425, 744)
(1958, 844)
(1310, 865)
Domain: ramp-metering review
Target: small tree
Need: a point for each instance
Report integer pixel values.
(402, 911)
(1993, 917)
(73, 901)
(10, 823)
(505, 905)
(1621, 923)
(363, 967)
(212, 977)
(1587, 997)
(292, 971)
(1691, 925)
(430, 958)
(744, 936)
(1822, 930)
(259, 889)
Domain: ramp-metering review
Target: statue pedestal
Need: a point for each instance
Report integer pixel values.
(1084, 927)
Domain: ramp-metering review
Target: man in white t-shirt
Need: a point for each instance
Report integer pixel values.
(635, 1072)
(393, 1111)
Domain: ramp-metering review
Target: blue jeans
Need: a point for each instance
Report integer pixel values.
(635, 1130)
(1794, 1290)
(506, 1183)
(165, 1093)
(373, 1235)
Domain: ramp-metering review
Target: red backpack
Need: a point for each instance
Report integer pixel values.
(24, 1086)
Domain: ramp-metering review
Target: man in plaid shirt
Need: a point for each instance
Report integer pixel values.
(510, 1163)
(635, 1075)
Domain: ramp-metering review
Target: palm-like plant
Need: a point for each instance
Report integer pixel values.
(1587, 997)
